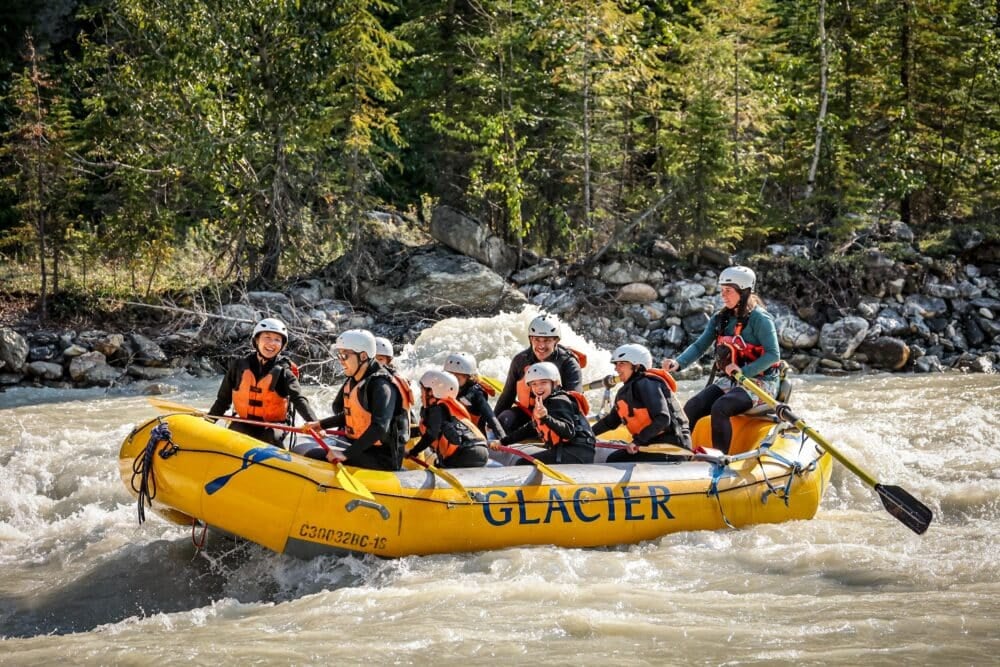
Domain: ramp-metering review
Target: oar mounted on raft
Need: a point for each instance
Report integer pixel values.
(897, 501)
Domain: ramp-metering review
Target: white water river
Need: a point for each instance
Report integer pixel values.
(82, 583)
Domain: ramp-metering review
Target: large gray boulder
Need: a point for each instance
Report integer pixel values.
(473, 239)
(623, 273)
(793, 332)
(841, 338)
(13, 351)
(92, 369)
(444, 280)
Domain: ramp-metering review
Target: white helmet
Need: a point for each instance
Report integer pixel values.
(383, 346)
(356, 340)
(461, 362)
(545, 370)
(441, 384)
(637, 355)
(741, 276)
(270, 324)
(544, 326)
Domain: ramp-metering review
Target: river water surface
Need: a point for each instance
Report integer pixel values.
(82, 583)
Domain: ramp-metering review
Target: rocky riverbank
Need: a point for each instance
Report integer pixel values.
(876, 305)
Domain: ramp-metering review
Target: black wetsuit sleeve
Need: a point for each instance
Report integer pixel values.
(480, 405)
(224, 398)
(521, 434)
(571, 373)
(608, 422)
(382, 395)
(433, 420)
(651, 396)
(336, 420)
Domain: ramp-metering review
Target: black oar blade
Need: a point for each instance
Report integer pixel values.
(911, 512)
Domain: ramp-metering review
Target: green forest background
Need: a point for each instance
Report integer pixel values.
(151, 144)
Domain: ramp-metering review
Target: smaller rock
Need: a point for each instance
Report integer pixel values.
(928, 363)
(695, 323)
(663, 249)
(45, 370)
(44, 353)
(886, 352)
(13, 350)
(147, 352)
(941, 290)
(532, 274)
(74, 350)
(637, 293)
(268, 300)
(841, 338)
(307, 294)
(151, 372)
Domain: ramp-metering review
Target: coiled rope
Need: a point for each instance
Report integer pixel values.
(142, 468)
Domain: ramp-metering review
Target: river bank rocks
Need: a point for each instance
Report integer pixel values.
(920, 315)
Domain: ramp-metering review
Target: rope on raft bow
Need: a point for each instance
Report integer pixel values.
(142, 468)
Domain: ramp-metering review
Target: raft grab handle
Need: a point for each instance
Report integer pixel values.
(355, 503)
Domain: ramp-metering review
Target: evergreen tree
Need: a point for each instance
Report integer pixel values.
(40, 174)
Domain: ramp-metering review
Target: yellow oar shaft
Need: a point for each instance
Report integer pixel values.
(787, 415)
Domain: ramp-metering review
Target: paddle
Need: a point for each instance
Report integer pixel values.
(897, 501)
(662, 448)
(347, 481)
(446, 476)
(493, 382)
(177, 407)
(343, 476)
(605, 382)
(542, 468)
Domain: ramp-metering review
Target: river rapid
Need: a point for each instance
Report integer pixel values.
(82, 583)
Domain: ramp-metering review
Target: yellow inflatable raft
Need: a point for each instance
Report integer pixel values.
(196, 470)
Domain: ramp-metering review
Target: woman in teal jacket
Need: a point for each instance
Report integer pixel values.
(745, 339)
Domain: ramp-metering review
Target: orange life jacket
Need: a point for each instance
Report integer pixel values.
(550, 437)
(357, 418)
(445, 447)
(636, 418)
(257, 399)
(405, 391)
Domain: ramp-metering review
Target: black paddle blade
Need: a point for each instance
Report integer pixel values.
(911, 512)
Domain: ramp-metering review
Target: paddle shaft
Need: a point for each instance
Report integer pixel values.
(177, 407)
(897, 501)
(662, 448)
(605, 382)
(539, 465)
(447, 477)
(785, 414)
